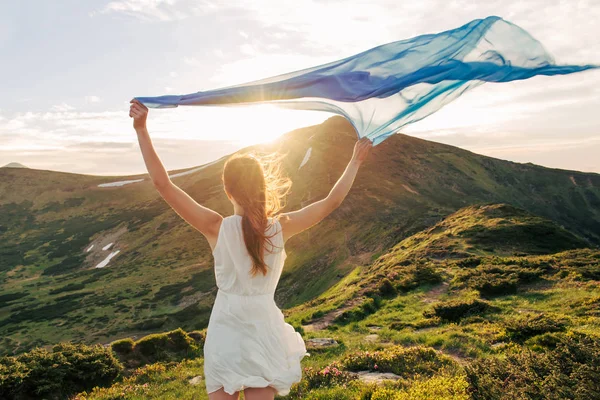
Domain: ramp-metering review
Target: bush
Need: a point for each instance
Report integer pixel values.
(66, 370)
(198, 337)
(386, 288)
(500, 276)
(569, 371)
(494, 285)
(329, 376)
(456, 310)
(137, 386)
(71, 287)
(329, 379)
(521, 329)
(403, 361)
(469, 262)
(159, 347)
(440, 387)
(123, 346)
(416, 275)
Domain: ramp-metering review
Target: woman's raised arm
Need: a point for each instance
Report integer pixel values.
(203, 219)
(295, 222)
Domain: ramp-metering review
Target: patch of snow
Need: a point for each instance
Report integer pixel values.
(306, 157)
(107, 246)
(89, 248)
(104, 262)
(120, 183)
(410, 189)
(191, 171)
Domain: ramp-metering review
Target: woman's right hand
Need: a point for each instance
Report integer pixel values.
(361, 149)
(139, 113)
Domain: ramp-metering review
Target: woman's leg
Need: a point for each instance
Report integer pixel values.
(222, 395)
(267, 393)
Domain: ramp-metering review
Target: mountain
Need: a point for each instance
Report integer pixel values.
(13, 165)
(156, 272)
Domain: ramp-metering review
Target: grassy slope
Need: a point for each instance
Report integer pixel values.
(163, 276)
(563, 291)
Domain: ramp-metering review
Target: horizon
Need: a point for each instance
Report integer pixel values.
(73, 116)
(183, 169)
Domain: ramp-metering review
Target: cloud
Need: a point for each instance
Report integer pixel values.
(92, 99)
(188, 136)
(254, 39)
(63, 107)
(115, 158)
(160, 10)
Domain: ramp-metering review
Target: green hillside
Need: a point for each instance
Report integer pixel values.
(161, 278)
(446, 313)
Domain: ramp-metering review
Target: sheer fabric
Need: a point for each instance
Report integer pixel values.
(390, 86)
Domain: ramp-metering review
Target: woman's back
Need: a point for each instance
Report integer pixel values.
(248, 343)
(233, 263)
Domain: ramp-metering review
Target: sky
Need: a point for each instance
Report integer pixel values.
(70, 67)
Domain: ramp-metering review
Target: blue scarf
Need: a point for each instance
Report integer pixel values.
(390, 86)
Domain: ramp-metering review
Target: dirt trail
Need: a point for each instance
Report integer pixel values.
(326, 320)
(435, 293)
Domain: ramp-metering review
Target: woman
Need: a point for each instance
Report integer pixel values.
(248, 344)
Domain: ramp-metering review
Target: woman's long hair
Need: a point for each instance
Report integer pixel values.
(256, 184)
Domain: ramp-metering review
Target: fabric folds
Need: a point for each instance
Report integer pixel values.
(390, 86)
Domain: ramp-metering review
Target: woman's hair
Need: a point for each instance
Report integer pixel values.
(256, 184)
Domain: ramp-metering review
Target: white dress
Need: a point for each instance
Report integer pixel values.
(248, 343)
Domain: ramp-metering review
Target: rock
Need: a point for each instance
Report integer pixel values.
(195, 380)
(372, 338)
(376, 377)
(320, 343)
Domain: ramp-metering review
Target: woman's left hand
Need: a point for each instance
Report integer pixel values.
(139, 113)
(361, 149)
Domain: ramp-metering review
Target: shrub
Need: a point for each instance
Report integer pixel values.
(71, 287)
(299, 329)
(386, 288)
(159, 347)
(331, 375)
(57, 374)
(494, 285)
(122, 346)
(469, 262)
(500, 276)
(198, 337)
(440, 387)
(152, 346)
(418, 274)
(147, 373)
(520, 329)
(456, 310)
(137, 386)
(569, 371)
(322, 383)
(403, 361)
